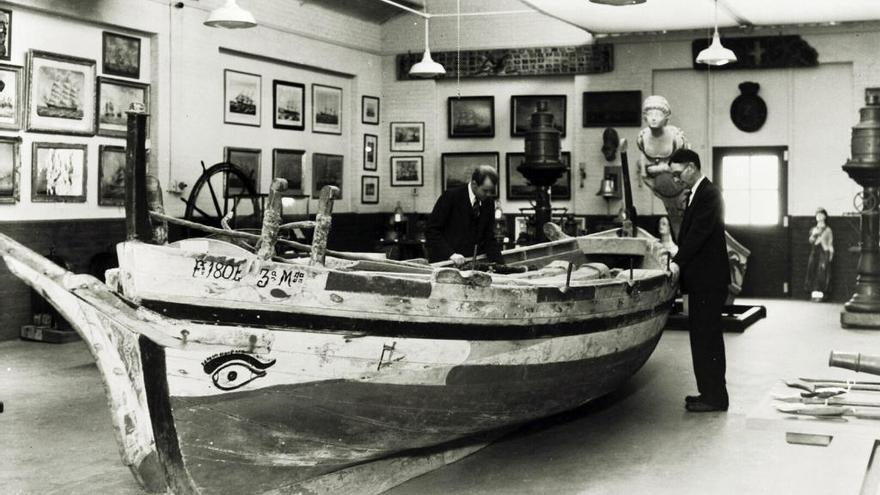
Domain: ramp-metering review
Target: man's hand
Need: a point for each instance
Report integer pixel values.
(457, 259)
(675, 269)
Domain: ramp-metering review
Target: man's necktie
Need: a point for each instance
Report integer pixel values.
(476, 209)
(687, 198)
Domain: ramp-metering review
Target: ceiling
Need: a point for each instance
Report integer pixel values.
(651, 16)
(672, 15)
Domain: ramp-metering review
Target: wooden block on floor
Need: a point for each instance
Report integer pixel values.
(808, 439)
(47, 334)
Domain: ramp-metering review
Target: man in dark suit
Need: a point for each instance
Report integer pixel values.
(464, 217)
(705, 275)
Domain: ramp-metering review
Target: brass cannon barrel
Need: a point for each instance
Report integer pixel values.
(855, 361)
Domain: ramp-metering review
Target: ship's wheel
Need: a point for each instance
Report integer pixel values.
(864, 202)
(223, 189)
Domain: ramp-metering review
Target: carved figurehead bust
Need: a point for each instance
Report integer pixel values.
(656, 112)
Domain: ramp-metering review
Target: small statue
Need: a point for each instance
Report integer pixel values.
(665, 231)
(657, 142)
(821, 254)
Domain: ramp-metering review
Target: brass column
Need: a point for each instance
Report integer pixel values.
(542, 166)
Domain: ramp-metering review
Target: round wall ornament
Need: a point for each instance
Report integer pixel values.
(748, 111)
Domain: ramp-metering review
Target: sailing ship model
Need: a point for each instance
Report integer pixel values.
(233, 370)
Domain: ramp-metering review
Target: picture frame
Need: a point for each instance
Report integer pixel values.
(371, 152)
(111, 175)
(113, 101)
(121, 55)
(407, 171)
(287, 164)
(288, 105)
(61, 94)
(11, 97)
(612, 108)
(407, 136)
(518, 188)
(522, 107)
(10, 169)
(456, 168)
(470, 116)
(5, 34)
(522, 224)
(326, 109)
(241, 98)
(369, 190)
(370, 110)
(327, 170)
(59, 172)
(249, 160)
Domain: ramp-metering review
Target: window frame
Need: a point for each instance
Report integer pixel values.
(720, 152)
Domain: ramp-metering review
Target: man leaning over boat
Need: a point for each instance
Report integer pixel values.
(462, 221)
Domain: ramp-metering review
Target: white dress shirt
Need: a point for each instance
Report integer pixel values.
(694, 189)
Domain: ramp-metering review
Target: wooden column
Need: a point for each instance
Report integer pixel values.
(137, 221)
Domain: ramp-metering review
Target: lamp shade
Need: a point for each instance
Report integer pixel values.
(231, 16)
(715, 53)
(427, 67)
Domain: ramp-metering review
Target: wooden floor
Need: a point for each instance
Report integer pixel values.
(56, 437)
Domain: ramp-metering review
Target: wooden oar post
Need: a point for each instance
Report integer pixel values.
(322, 225)
(271, 220)
(137, 219)
(155, 203)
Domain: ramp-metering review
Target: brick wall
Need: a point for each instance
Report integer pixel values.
(76, 241)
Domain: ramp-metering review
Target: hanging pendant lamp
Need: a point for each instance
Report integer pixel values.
(715, 54)
(427, 67)
(230, 16)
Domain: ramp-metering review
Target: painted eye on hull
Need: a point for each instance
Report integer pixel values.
(233, 370)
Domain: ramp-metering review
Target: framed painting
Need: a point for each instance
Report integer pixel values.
(407, 171)
(456, 168)
(612, 108)
(58, 172)
(61, 94)
(371, 152)
(519, 188)
(241, 98)
(326, 109)
(370, 110)
(10, 169)
(111, 175)
(407, 136)
(114, 98)
(5, 34)
(287, 165)
(122, 55)
(288, 105)
(523, 106)
(326, 171)
(369, 190)
(10, 97)
(471, 116)
(248, 160)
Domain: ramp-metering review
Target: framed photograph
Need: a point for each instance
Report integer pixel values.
(61, 94)
(407, 136)
(326, 171)
(369, 190)
(111, 175)
(58, 172)
(5, 34)
(288, 105)
(523, 224)
(288, 165)
(471, 116)
(241, 98)
(612, 108)
(523, 106)
(370, 110)
(10, 168)
(371, 152)
(407, 171)
(519, 188)
(458, 167)
(326, 109)
(122, 55)
(10, 97)
(248, 160)
(114, 98)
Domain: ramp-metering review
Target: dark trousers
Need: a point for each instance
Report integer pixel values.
(707, 344)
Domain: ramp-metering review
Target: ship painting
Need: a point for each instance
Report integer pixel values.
(289, 111)
(243, 103)
(327, 115)
(62, 98)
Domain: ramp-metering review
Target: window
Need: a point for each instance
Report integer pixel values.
(753, 185)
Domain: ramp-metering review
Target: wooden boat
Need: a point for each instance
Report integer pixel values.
(229, 371)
